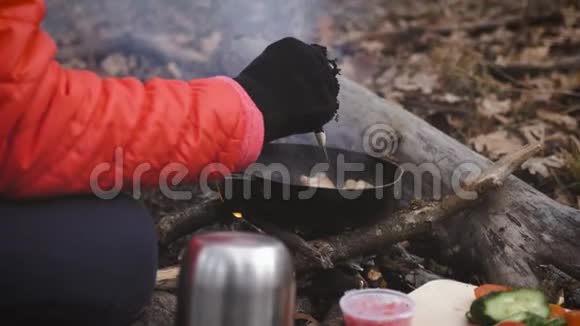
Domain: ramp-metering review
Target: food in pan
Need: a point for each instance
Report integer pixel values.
(321, 180)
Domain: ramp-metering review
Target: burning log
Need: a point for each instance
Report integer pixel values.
(295, 243)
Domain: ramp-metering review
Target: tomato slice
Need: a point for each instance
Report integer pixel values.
(573, 317)
(557, 311)
(510, 323)
(485, 289)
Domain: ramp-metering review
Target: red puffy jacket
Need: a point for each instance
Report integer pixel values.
(61, 129)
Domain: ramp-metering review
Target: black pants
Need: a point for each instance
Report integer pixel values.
(75, 260)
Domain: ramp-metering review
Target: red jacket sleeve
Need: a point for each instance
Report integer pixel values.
(63, 130)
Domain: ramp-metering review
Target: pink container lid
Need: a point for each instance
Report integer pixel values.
(377, 305)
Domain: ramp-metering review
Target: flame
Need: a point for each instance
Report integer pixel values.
(238, 215)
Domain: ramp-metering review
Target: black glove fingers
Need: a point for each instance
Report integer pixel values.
(294, 85)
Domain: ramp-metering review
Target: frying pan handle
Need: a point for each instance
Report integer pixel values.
(219, 186)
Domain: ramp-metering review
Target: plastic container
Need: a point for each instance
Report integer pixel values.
(377, 307)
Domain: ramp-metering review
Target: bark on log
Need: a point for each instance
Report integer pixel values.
(515, 231)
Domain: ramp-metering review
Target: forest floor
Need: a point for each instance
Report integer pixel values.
(492, 74)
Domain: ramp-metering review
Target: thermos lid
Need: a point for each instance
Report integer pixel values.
(236, 278)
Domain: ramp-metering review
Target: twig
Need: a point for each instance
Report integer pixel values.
(174, 226)
(295, 243)
(503, 72)
(306, 317)
(498, 172)
(167, 278)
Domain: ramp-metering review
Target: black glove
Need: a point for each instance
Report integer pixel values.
(294, 85)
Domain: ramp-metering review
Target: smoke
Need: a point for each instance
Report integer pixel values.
(245, 28)
(252, 25)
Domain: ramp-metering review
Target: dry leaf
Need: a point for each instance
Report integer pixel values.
(576, 143)
(347, 68)
(308, 318)
(543, 89)
(387, 76)
(558, 119)
(326, 29)
(570, 16)
(565, 82)
(490, 106)
(541, 165)
(117, 65)
(421, 81)
(182, 39)
(534, 54)
(211, 42)
(563, 197)
(374, 47)
(451, 98)
(503, 119)
(174, 70)
(496, 144)
(534, 133)
(455, 121)
(559, 137)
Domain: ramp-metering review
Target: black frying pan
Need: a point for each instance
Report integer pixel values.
(271, 188)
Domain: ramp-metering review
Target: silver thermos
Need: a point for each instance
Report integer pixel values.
(236, 279)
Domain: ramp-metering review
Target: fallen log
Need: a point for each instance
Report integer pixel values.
(419, 219)
(402, 225)
(514, 230)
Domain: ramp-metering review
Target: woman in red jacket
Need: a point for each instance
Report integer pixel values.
(67, 254)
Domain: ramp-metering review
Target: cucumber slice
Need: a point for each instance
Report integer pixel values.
(556, 322)
(499, 306)
(530, 319)
(524, 316)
